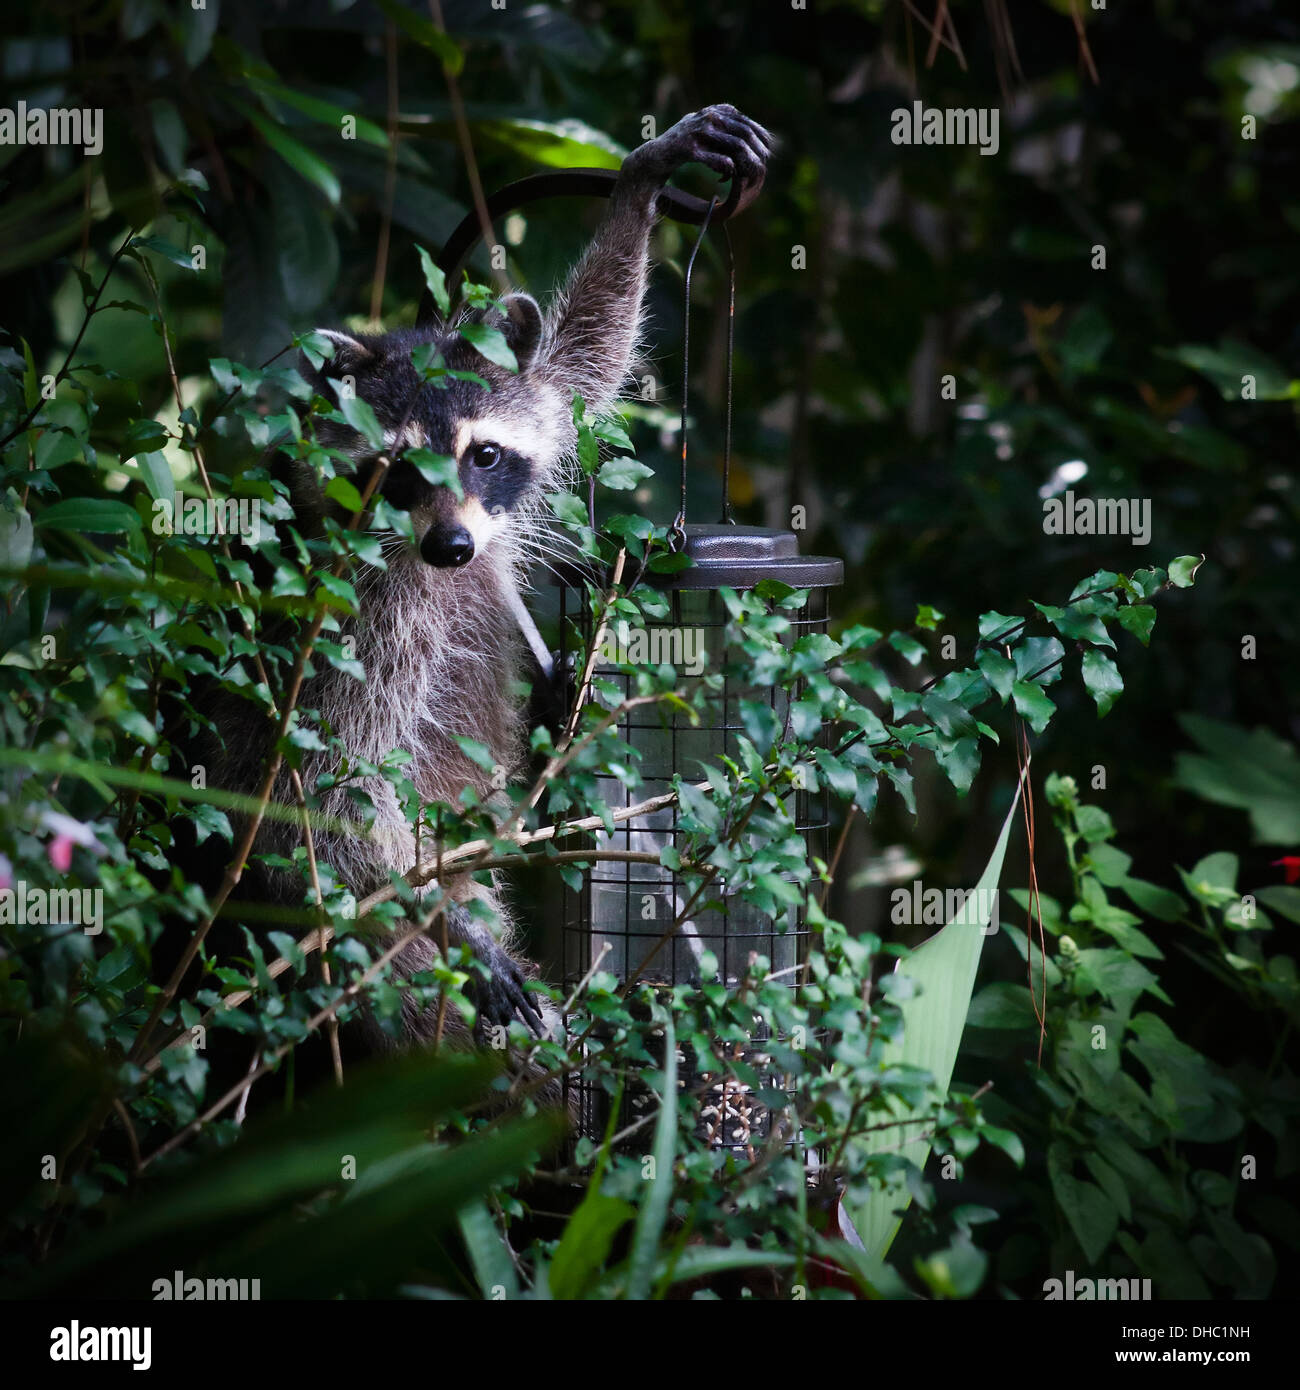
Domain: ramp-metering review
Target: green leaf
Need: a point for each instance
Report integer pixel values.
(1039, 659)
(944, 968)
(490, 343)
(1005, 1139)
(55, 447)
(1218, 870)
(907, 647)
(326, 112)
(623, 473)
(1139, 619)
(416, 27)
(1094, 824)
(306, 249)
(1091, 1214)
(558, 144)
(1253, 770)
(1002, 1005)
(142, 436)
(1077, 623)
(95, 515)
(493, 1267)
(297, 156)
(998, 670)
(951, 719)
(436, 281)
(1213, 880)
(207, 819)
(1102, 679)
(360, 416)
(478, 753)
(1282, 898)
(1149, 582)
(258, 1203)
(438, 470)
(344, 491)
(568, 508)
(1109, 864)
(1182, 571)
(1154, 900)
(1032, 705)
(164, 248)
(701, 1261)
(1116, 976)
(653, 1211)
(15, 533)
(316, 347)
(1227, 364)
(585, 1244)
(611, 430)
(999, 626)
(955, 1272)
(1085, 341)
(157, 476)
(961, 761)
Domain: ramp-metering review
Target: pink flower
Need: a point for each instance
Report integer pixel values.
(68, 834)
(6, 873)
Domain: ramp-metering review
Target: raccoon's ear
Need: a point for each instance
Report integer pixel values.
(520, 325)
(350, 356)
(349, 353)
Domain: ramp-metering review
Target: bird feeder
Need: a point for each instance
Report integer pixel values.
(622, 916)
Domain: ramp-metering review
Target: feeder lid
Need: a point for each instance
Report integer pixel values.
(742, 556)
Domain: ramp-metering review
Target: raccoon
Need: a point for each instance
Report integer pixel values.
(438, 632)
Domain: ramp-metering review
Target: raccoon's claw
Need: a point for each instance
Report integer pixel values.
(719, 137)
(503, 995)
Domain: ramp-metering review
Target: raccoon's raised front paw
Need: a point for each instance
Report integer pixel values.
(503, 995)
(718, 137)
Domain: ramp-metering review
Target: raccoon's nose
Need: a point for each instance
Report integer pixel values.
(447, 547)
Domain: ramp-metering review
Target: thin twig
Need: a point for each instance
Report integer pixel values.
(1085, 53)
(390, 173)
(329, 1011)
(467, 153)
(76, 342)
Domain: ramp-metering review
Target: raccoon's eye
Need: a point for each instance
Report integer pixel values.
(485, 456)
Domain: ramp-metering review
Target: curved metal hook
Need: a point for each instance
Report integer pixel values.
(580, 183)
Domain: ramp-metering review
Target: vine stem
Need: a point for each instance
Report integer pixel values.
(62, 373)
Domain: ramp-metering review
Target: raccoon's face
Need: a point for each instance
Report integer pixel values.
(508, 439)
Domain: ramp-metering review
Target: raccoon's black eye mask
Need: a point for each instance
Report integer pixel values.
(497, 476)
(403, 486)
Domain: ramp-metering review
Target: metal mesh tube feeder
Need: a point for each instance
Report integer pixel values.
(621, 910)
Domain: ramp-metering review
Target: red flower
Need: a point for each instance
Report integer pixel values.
(1291, 863)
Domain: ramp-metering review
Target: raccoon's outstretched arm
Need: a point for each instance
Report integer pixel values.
(591, 329)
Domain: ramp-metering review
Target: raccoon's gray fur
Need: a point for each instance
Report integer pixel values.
(436, 632)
